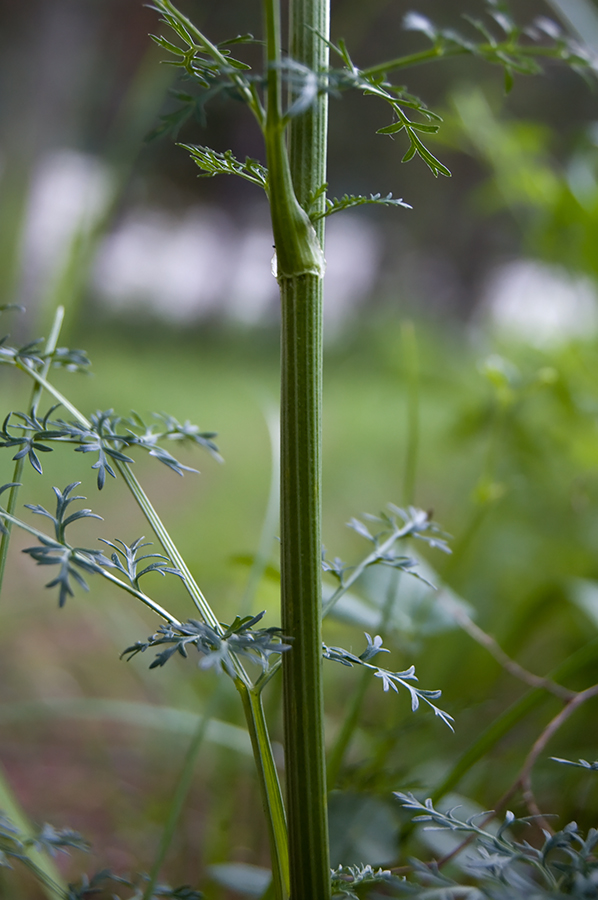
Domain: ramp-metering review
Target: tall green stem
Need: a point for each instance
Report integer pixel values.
(301, 412)
(301, 587)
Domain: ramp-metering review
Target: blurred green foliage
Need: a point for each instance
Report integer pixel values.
(508, 461)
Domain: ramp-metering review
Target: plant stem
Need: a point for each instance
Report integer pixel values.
(169, 546)
(301, 587)
(510, 665)
(298, 250)
(269, 789)
(411, 368)
(436, 53)
(301, 411)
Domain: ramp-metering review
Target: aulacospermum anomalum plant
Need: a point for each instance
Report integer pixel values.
(294, 179)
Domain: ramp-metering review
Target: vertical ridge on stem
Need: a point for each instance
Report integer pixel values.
(301, 586)
(301, 477)
(308, 133)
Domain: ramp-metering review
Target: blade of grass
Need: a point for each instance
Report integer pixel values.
(52, 883)
(181, 790)
(271, 517)
(411, 368)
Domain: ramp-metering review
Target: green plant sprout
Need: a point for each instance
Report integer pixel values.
(289, 103)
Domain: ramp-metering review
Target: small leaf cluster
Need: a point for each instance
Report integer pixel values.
(503, 868)
(345, 879)
(213, 163)
(210, 67)
(217, 650)
(70, 560)
(61, 520)
(416, 523)
(32, 356)
(396, 524)
(400, 100)
(104, 436)
(201, 59)
(126, 559)
(14, 845)
(348, 201)
(29, 441)
(517, 50)
(390, 680)
(101, 881)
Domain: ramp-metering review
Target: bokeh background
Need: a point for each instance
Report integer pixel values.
(461, 375)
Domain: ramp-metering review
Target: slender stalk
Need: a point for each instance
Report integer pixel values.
(270, 522)
(409, 348)
(540, 743)
(169, 546)
(510, 665)
(436, 53)
(301, 587)
(414, 59)
(270, 790)
(301, 410)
